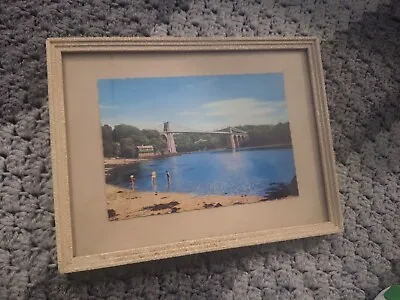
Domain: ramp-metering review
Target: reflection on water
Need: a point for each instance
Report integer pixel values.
(243, 172)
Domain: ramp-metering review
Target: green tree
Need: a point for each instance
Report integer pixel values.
(128, 148)
(123, 131)
(122, 141)
(116, 149)
(215, 142)
(149, 133)
(108, 147)
(158, 143)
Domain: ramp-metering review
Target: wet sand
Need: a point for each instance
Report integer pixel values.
(123, 204)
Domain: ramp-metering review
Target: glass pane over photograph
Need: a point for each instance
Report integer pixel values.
(176, 144)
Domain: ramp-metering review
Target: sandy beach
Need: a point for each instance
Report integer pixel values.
(125, 204)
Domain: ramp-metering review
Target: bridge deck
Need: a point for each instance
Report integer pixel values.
(214, 132)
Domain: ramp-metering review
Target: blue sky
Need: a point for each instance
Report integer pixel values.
(196, 102)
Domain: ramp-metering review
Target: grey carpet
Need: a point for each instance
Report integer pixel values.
(362, 69)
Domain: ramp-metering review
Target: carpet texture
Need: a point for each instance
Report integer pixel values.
(361, 49)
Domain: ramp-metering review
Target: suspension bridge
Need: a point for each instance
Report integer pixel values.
(236, 135)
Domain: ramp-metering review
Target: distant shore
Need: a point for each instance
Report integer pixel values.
(124, 204)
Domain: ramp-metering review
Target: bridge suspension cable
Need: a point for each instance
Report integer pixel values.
(178, 128)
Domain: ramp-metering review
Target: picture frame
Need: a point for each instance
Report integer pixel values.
(87, 239)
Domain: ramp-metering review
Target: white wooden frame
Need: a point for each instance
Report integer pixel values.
(58, 48)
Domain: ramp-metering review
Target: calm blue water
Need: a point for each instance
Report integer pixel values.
(242, 172)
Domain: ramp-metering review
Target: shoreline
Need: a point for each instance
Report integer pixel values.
(122, 161)
(274, 146)
(124, 204)
(111, 163)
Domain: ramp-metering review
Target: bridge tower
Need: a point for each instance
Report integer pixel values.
(170, 138)
(232, 139)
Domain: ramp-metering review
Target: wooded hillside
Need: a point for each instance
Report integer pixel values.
(122, 140)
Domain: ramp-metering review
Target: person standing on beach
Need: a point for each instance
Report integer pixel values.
(153, 177)
(168, 178)
(153, 181)
(132, 182)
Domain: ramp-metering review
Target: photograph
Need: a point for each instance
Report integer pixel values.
(178, 144)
